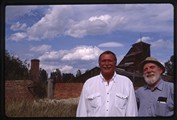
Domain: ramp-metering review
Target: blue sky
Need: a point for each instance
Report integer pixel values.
(71, 37)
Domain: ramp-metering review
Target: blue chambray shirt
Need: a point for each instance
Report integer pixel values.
(147, 99)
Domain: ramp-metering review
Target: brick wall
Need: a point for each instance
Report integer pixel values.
(67, 90)
(18, 90)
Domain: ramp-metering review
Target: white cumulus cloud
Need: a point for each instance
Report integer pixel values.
(102, 24)
(162, 44)
(18, 26)
(51, 25)
(19, 36)
(52, 55)
(111, 44)
(41, 49)
(83, 53)
(104, 18)
(144, 39)
(66, 69)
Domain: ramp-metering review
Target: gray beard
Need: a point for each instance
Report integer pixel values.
(152, 80)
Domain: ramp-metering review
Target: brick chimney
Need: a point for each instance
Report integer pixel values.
(35, 70)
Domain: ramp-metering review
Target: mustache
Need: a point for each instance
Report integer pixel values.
(149, 74)
(107, 66)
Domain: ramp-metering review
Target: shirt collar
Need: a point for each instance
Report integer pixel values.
(158, 86)
(112, 79)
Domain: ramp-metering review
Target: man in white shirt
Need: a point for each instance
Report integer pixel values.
(108, 94)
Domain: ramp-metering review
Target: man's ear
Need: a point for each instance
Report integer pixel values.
(161, 70)
(99, 64)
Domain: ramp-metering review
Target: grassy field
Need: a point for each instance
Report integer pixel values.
(42, 108)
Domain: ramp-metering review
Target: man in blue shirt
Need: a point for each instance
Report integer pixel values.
(156, 98)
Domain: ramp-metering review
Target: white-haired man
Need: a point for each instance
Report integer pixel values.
(156, 98)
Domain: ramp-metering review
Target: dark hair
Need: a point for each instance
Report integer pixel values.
(108, 52)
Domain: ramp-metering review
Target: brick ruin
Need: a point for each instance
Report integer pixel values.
(34, 70)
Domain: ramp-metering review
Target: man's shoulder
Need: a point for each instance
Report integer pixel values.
(141, 88)
(168, 84)
(123, 77)
(92, 79)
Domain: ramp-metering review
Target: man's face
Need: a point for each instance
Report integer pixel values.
(151, 73)
(107, 64)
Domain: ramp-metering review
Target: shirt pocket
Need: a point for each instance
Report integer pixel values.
(161, 109)
(120, 101)
(94, 100)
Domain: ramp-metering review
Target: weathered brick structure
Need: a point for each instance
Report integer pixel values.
(35, 70)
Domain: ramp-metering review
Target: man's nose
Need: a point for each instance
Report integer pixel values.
(148, 70)
(107, 62)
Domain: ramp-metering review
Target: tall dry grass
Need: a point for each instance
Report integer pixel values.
(42, 108)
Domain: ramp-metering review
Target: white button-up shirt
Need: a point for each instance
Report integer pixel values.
(100, 99)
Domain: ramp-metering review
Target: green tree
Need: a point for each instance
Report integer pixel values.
(15, 69)
(78, 73)
(68, 77)
(56, 76)
(43, 75)
(169, 66)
